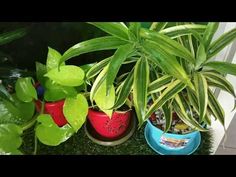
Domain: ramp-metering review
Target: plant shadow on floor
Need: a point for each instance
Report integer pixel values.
(80, 144)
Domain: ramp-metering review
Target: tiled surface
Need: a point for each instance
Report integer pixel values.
(230, 143)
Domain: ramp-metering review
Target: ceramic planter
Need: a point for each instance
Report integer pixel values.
(171, 144)
(55, 109)
(109, 128)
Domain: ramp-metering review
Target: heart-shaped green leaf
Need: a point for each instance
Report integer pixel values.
(67, 75)
(55, 92)
(53, 59)
(49, 133)
(25, 90)
(75, 111)
(10, 139)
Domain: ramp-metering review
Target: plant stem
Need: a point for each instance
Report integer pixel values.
(35, 144)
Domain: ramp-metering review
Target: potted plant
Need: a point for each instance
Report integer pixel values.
(130, 42)
(169, 63)
(61, 105)
(182, 111)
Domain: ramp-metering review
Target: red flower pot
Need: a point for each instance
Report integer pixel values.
(109, 128)
(55, 109)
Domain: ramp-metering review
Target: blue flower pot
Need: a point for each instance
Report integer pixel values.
(171, 144)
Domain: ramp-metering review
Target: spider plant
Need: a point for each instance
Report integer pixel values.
(150, 52)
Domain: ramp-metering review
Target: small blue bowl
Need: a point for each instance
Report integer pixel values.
(171, 144)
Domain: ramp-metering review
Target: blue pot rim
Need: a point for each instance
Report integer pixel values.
(171, 134)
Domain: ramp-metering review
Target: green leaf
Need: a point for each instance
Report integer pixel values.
(17, 112)
(202, 94)
(221, 43)
(182, 30)
(26, 110)
(222, 67)
(173, 88)
(104, 101)
(168, 63)
(75, 111)
(209, 33)
(25, 90)
(5, 94)
(49, 133)
(159, 84)
(92, 45)
(201, 56)
(168, 115)
(215, 107)
(41, 70)
(53, 59)
(97, 68)
(158, 26)
(12, 35)
(124, 91)
(55, 92)
(182, 114)
(68, 75)
(10, 139)
(167, 44)
(116, 29)
(217, 80)
(97, 83)
(117, 60)
(134, 28)
(140, 86)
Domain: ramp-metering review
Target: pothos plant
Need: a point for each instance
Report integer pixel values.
(58, 85)
(170, 63)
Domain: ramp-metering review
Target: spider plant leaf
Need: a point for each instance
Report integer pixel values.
(168, 116)
(92, 45)
(167, 44)
(215, 107)
(140, 86)
(182, 30)
(115, 63)
(173, 88)
(159, 84)
(220, 43)
(222, 67)
(209, 33)
(201, 88)
(124, 90)
(181, 112)
(167, 62)
(116, 29)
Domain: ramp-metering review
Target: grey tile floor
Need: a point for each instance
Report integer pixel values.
(230, 144)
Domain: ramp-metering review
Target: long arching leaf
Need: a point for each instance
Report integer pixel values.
(209, 33)
(159, 84)
(140, 85)
(167, 62)
(181, 112)
(116, 29)
(168, 45)
(222, 67)
(202, 94)
(96, 44)
(173, 88)
(221, 43)
(182, 30)
(216, 108)
(117, 60)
